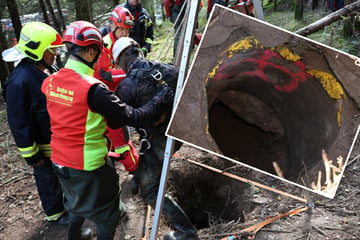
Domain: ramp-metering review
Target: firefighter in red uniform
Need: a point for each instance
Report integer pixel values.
(120, 21)
(175, 15)
(80, 108)
(175, 12)
(143, 30)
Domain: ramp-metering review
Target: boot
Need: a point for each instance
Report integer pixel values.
(76, 232)
(62, 221)
(134, 183)
(177, 235)
(184, 230)
(86, 234)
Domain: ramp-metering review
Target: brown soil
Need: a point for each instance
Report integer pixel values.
(218, 205)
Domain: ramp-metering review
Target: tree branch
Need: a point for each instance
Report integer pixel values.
(352, 8)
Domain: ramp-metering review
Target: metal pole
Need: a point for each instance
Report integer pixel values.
(258, 10)
(188, 41)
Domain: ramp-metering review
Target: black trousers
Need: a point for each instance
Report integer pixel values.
(148, 174)
(94, 195)
(49, 189)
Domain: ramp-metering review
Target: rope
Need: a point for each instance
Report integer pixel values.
(172, 31)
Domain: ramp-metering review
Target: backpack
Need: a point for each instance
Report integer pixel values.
(152, 80)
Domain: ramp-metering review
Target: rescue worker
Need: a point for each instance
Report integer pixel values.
(143, 31)
(120, 21)
(243, 6)
(27, 115)
(80, 108)
(175, 12)
(141, 82)
(175, 15)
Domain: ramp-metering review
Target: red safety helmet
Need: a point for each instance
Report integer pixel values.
(122, 17)
(83, 33)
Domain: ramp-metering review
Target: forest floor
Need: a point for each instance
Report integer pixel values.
(219, 206)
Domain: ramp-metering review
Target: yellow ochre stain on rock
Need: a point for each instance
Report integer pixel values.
(329, 83)
(339, 116)
(242, 45)
(286, 53)
(331, 86)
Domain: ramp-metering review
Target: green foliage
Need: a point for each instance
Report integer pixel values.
(285, 20)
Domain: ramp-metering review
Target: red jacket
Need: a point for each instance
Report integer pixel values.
(106, 72)
(169, 3)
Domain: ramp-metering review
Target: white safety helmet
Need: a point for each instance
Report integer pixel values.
(121, 44)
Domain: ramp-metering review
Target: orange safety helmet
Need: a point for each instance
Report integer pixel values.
(122, 17)
(83, 33)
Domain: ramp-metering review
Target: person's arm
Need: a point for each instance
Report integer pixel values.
(167, 5)
(118, 114)
(18, 106)
(127, 91)
(149, 35)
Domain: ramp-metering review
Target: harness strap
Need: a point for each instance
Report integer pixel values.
(145, 137)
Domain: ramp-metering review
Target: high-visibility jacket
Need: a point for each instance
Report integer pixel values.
(109, 40)
(78, 139)
(26, 111)
(143, 31)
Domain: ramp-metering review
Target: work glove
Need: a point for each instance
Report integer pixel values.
(144, 51)
(106, 75)
(165, 96)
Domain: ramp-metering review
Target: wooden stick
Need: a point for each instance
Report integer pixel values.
(147, 223)
(247, 181)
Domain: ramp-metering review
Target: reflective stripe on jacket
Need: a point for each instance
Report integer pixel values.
(26, 111)
(142, 32)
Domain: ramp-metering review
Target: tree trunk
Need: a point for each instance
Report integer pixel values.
(348, 28)
(350, 9)
(43, 9)
(4, 67)
(15, 18)
(53, 16)
(115, 2)
(61, 17)
(315, 4)
(82, 9)
(299, 10)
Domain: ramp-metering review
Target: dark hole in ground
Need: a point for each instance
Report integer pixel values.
(205, 195)
(256, 124)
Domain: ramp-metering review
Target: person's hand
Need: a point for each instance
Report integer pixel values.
(144, 51)
(106, 75)
(165, 96)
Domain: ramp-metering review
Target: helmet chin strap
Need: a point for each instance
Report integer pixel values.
(81, 59)
(113, 32)
(42, 63)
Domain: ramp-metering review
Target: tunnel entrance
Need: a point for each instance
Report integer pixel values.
(245, 142)
(206, 195)
(253, 122)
